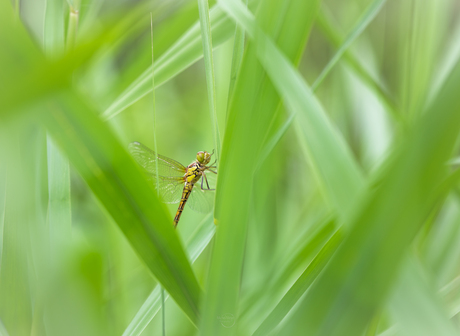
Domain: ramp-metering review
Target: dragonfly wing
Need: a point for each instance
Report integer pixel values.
(201, 200)
(170, 189)
(148, 159)
(170, 172)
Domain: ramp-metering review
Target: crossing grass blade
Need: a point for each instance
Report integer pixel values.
(372, 10)
(252, 108)
(186, 51)
(332, 33)
(128, 197)
(196, 244)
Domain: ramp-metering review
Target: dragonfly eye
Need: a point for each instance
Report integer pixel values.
(203, 157)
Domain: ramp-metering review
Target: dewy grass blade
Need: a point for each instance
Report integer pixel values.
(198, 241)
(361, 25)
(131, 201)
(186, 51)
(206, 39)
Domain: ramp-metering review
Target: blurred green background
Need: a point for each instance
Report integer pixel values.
(335, 124)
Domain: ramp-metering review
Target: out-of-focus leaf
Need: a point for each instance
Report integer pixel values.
(126, 194)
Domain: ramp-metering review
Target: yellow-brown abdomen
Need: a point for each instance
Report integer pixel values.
(185, 195)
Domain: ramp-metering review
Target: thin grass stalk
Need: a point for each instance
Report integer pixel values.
(209, 68)
(163, 306)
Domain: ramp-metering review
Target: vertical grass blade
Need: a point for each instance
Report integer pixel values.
(252, 108)
(206, 39)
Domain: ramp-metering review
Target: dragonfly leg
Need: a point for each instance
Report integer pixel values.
(212, 171)
(205, 178)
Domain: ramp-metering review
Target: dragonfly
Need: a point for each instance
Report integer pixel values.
(176, 182)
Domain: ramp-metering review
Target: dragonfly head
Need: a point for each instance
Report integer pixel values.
(203, 157)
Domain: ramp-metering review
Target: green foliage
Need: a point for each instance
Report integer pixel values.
(337, 204)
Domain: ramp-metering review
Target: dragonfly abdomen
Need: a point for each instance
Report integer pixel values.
(185, 195)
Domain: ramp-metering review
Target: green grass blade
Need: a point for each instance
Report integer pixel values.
(128, 197)
(372, 10)
(300, 286)
(252, 108)
(209, 68)
(195, 246)
(325, 145)
(186, 51)
(362, 271)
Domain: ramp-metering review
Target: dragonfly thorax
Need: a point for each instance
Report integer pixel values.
(194, 173)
